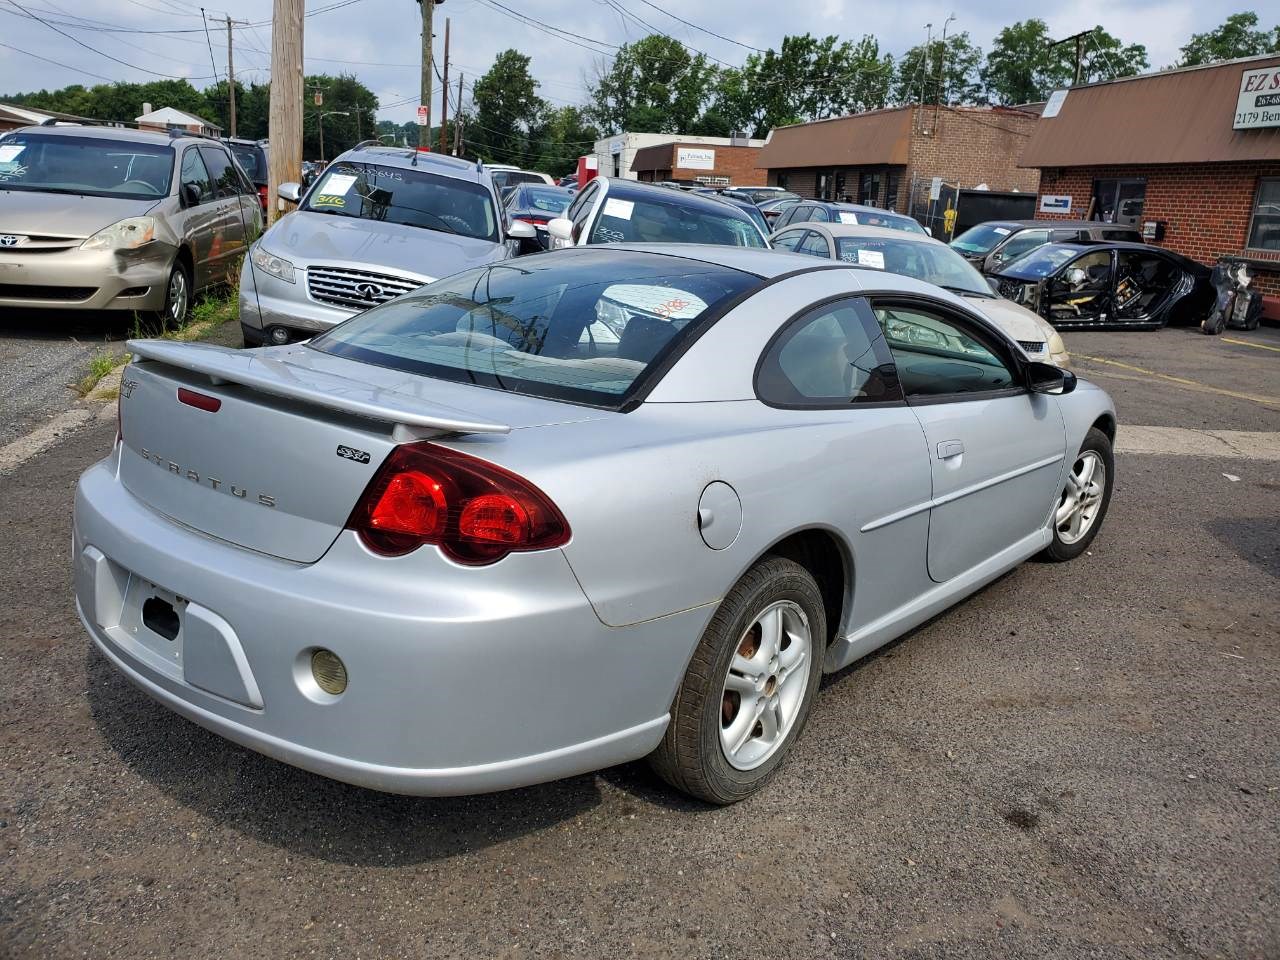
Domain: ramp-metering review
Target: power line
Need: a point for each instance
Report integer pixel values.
(78, 42)
(712, 33)
(96, 76)
(210, 42)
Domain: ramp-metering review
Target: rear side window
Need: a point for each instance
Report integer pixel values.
(643, 219)
(832, 356)
(584, 326)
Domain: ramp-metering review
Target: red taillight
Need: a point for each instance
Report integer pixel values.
(474, 511)
(262, 196)
(201, 401)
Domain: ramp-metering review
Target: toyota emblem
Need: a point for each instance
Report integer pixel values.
(370, 291)
(9, 240)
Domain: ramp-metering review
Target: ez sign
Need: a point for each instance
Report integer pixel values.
(1258, 103)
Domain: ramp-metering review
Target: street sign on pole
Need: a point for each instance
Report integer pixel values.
(422, 116)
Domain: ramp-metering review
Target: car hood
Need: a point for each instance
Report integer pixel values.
(1017, 321)
(314, 238)
(64, 214)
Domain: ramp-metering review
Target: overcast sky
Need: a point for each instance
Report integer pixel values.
(378, 39)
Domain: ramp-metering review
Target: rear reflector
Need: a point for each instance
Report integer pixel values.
(200, 401)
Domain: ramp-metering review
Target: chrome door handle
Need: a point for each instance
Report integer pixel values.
(950, 448)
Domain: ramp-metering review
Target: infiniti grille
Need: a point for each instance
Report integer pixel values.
(355, 289)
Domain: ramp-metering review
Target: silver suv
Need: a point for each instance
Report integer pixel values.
(105, 218)
(379, 222)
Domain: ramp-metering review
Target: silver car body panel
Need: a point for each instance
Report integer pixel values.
(443, 658)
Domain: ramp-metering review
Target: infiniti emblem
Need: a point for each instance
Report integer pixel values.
(9, 240)
(370, 291)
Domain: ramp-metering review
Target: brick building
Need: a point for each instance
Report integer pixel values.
(888, 158)
(616, 153)
(696, 163)
(1190, 155)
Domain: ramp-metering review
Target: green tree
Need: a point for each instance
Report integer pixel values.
(506, 111)
(653, 85)
(351, 109)
(1107, 57)
(1021, 67)
(808, 78)
(940, 73)
(563, 135)
(1237, 36)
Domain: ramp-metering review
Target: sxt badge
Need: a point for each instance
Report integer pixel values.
(351, 453)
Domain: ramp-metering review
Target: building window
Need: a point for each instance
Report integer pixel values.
(1264, 230)
(869, 190)
(891, 195)
(781, 180)
(1119, 201)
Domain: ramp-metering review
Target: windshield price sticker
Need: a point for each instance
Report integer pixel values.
(10, 153)
(849, 218)
(871, 258)
(1003, 231)
(328, 200)
(621, 209)
(339, 184)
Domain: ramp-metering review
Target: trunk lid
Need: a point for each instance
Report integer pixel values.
(296, 436)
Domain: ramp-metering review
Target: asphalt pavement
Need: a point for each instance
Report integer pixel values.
(1079, 761)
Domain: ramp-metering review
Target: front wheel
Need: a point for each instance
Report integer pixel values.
(177, 300)
(749, 686)
(1083, 502)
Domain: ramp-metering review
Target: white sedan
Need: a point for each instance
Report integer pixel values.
(930, 260)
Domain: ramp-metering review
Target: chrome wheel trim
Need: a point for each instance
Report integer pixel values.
(765, 685)
(177, 295)
(1081, 499)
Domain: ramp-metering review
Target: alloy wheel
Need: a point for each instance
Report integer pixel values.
(177, 296)
(765, 685)
(1081, 499)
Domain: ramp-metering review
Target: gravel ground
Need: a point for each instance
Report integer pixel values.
(1080, 761)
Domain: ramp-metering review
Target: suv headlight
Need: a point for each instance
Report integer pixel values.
(269, 263)
(126, 235)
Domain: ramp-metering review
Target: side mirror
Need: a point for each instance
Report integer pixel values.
(994, 284)
(192, 194)
(292, 192)
(561, 228)
(521, 230)
(1047, 378)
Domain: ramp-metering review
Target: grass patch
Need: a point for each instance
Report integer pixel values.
(100, 364)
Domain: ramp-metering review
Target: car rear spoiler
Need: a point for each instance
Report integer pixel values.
(282, 379)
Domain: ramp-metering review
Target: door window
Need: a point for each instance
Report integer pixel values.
(938, 355)
(869, 189)
(194, 174)
(815, 245)
(226, 182)
(819, 214)
(1081, 290)
(1020, 243)
(1119, 201)
(831, 356)
(789, 240)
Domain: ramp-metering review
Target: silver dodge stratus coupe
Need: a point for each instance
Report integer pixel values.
(561, 512)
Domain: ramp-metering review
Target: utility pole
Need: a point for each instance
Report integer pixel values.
(1079, 42)
(285, 125)
(444, 89)
(428, 11)
(231, 80)
(457, 121)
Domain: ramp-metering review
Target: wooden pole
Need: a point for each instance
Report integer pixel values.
(285, 125)
(444, 90)
(424, 131)
(231, 79)
(457, 121)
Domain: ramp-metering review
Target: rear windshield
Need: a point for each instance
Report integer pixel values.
(92, 166)
(552, 200)
(869, 218)
(645, 219)
(578, 325)
(414, 198)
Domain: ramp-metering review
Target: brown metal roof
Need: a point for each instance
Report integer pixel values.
(877, 137)
(1178, 116)
(657, 157)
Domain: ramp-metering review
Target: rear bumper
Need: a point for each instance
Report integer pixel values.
(461, 680)
(86, 279)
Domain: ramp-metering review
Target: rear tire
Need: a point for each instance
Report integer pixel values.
(1082, 504)
(750, 683)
